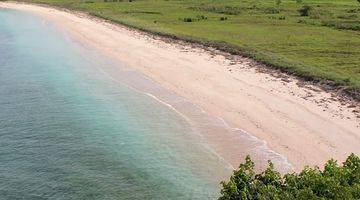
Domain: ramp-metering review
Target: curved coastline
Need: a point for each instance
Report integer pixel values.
(269, 121)
(202, 122)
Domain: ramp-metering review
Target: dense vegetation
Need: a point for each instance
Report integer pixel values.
(315, 39)
(334, 182)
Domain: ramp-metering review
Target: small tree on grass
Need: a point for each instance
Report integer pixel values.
(334, 182)
(305, 10)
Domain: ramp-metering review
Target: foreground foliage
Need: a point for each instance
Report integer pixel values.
(334, 182)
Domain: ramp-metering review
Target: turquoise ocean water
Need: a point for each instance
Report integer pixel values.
(75, 124)
(69, 131)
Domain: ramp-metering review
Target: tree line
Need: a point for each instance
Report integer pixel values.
(333, 182)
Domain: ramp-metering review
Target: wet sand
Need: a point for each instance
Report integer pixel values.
(303, 123)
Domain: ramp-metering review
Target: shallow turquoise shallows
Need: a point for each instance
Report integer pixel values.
(69, 131)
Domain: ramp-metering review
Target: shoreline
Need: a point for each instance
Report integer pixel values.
(208, 128)
(276, 110)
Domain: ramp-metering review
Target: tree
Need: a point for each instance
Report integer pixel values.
(305, 10)
(334, 182)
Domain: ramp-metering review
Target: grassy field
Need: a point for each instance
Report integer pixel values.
(323, 45)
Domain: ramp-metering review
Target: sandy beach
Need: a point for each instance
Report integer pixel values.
(301, 122)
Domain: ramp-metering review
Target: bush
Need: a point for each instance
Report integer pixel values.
(353, 10)
(272, 10)
(228, 10)
(188, 19)
(201, 17)
(341, 25)
(198, 18)
(305, 10)
(223, 18)
(334, 182)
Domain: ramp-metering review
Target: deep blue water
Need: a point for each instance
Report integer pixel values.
(68, 131)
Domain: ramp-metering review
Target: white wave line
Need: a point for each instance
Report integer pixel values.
(264, 143)
(229, 165)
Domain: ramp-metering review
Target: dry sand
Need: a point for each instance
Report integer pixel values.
(304, 123)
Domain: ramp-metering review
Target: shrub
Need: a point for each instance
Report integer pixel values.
(341, 25)
(354, 10)
(305, 10)
(334, 182)
(201, 17)
(188, 19)
(272, 10)
(228, 10)
(198, 18)
(223, 18)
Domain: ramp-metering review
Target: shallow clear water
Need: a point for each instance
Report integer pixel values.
(69, 131)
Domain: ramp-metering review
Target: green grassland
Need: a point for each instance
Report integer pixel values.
(323, 46)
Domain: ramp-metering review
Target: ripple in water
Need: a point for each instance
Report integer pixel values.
(75, 125)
